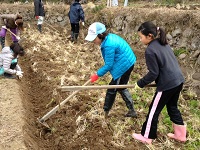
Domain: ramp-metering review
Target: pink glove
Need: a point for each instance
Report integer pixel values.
(37, 17)
(94, 77)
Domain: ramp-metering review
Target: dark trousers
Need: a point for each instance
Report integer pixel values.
(13, 65)
(75, 27)
(160, 99)
(111, 93)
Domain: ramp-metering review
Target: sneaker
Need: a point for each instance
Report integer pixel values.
(131, 113)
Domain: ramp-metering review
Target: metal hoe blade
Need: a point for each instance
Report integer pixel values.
(43, 123)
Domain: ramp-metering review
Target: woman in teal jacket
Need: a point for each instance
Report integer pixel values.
(119, 60)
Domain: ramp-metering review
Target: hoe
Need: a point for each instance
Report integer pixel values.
(11, 32)
(76, 89)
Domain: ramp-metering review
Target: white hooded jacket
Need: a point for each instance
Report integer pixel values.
(6, 58)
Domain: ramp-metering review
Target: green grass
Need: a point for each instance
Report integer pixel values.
(194, 109)
(166, 120)
(190, 110)
(135, 37)
(98, 8)
(178, 52)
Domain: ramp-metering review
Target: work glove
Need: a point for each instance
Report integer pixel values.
(83, 23)
(4, 27)
(36, 17)
(19, 74)
(94, 77)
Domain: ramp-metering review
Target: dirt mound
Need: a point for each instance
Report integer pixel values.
(11, 115)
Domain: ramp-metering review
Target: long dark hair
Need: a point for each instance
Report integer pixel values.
(102, 36)
(17, 49)
(148, 27)
(19, 22)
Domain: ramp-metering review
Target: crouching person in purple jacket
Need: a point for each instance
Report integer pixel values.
(12, 22)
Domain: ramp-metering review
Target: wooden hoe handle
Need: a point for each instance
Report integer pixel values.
(74, 88)
(54, 110)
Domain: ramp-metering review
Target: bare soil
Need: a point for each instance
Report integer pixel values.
(11, 115)
(51, 61)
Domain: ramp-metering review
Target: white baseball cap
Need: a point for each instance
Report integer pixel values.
(95, 29)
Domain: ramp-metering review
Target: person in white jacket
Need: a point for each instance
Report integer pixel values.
(8, 61)
(114, 2)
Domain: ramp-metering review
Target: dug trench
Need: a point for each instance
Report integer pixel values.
(52, 60)
(80, 123)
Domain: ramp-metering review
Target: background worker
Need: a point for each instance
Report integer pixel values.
(76, 14)
(119, 60)
(9, 60)
(39, 13)
(12, 22)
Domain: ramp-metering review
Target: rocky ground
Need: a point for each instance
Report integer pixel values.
(52, 60)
